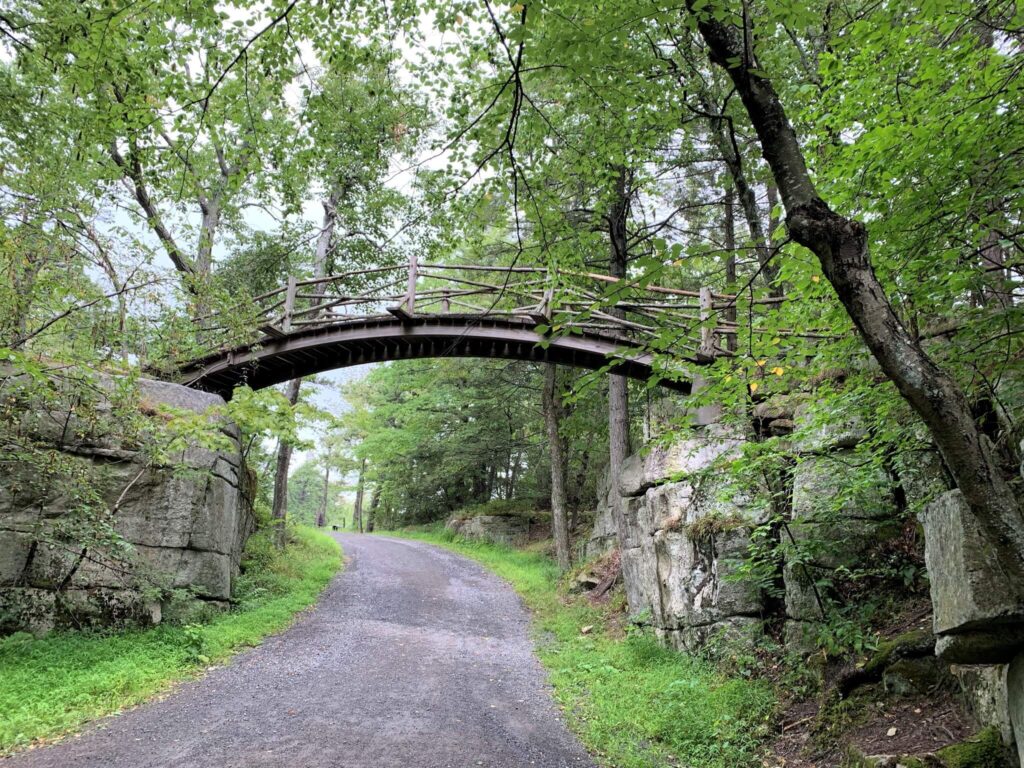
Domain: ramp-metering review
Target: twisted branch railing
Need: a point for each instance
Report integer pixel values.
(563, 301)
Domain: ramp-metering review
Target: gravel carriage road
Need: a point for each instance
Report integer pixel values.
(414, 657)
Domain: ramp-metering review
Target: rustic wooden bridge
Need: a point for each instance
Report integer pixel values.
(418, 310)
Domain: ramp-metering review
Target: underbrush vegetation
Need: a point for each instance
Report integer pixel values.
(52, 685)
(631, 701)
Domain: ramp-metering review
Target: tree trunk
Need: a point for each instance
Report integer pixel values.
(841, 245)
(207, 235)
(731, 339)
(618, 391)
(725, 141)
(324, 241)
(371, 518)
(357, 512)
(552, 406)
(321, 516)
(279, 507)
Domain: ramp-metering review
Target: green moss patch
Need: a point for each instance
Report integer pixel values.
(985, 750)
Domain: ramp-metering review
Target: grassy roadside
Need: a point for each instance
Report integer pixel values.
(55, 684)
(631, 702)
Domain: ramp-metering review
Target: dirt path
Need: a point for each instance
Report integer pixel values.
(414, 657)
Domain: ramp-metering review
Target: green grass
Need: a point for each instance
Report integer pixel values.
(632, 702)
(53, 685)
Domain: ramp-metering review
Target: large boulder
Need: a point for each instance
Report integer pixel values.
(1015, 700)
(839, 509)
(604, 534)
(984, 689)
(507, 530)
(978, 611)
(149, 527)
(821, 432)
(683, 540)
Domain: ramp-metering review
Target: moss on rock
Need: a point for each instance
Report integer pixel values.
(984, 750)
(916, 642)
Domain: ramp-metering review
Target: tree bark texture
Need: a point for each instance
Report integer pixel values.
(321, 515)
(279, 507)
(371, 518)
(552, 407)
(841, 245)
(357, 513)
(725, 141)
(618, 390)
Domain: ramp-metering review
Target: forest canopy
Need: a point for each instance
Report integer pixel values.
(844, 177)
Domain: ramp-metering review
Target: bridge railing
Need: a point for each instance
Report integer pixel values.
(692, 322)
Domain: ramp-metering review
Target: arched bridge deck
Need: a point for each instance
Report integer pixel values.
(429, 310)
(301, 353)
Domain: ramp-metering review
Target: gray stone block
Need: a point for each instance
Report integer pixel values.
(819, 433)
(679, 460)
(1015, 701)
(984, 689)
(507, 530)
(977, 610)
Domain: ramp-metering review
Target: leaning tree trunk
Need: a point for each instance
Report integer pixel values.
(725, 141)
(841, 245)
(552, 406)
(279, 507)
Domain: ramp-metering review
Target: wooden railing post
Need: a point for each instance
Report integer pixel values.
(708, 331)
(545, 310)
(289, 305)
(446, 304)
(410, 296)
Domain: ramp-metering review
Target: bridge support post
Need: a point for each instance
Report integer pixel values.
(544, 311)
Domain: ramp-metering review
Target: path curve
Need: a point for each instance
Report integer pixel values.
(414, 657)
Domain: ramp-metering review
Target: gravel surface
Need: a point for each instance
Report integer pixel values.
(413, 657)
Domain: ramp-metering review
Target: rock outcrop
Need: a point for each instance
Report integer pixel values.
(683, 538)
(687, 531)
(603, 536)
(978, 612)
(507, 530)
(114, 550)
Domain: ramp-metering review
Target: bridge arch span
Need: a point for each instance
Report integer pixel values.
(279, 358)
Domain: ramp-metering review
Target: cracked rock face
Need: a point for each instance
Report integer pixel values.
(180, 527)
(684, 535)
